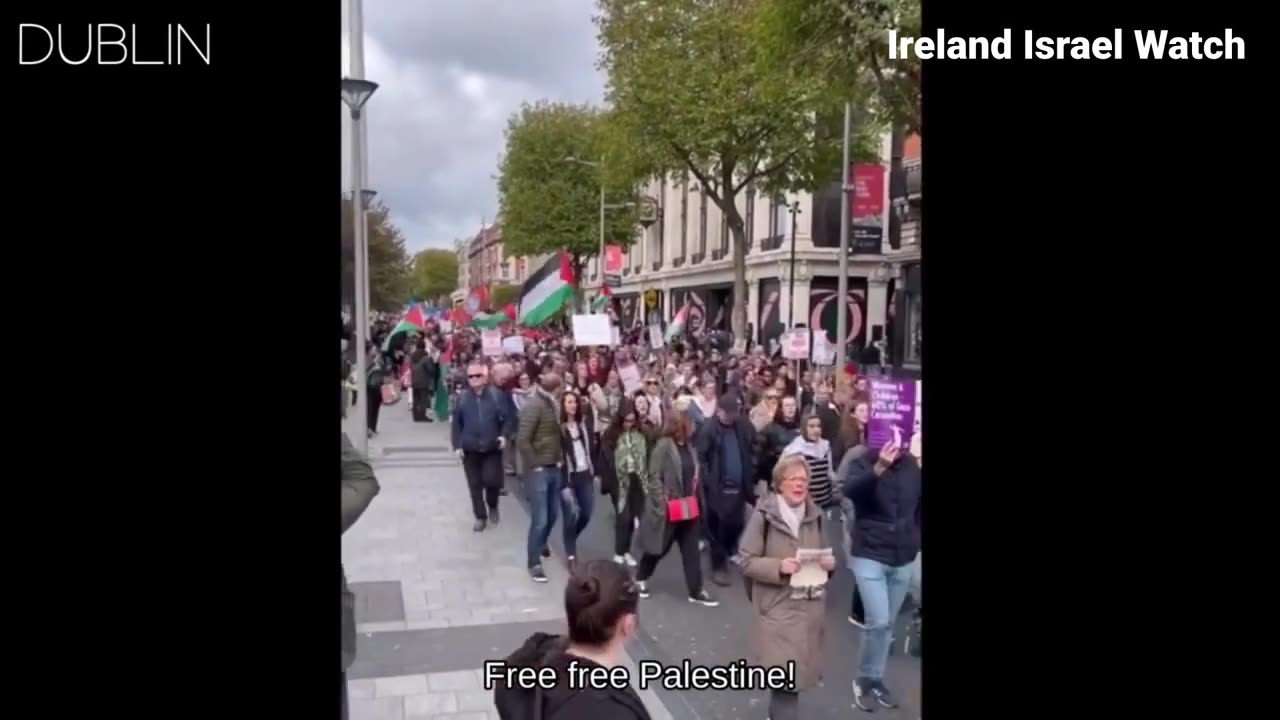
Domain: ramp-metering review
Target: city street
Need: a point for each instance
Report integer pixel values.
(435, 600)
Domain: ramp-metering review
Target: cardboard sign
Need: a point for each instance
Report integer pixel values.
(592, 330)
(491, 342)
(655, 337)
(795, 345)
(513, 345)
(824, 353)
(630, 377)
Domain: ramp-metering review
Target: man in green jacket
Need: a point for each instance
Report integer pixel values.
(358, 488)
(538, 441)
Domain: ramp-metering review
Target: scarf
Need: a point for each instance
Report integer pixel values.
(816, 450)
(708, 407)
(791, 515)
(629, 459)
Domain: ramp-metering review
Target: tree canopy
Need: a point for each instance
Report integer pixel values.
(694, 89)
(434, 274)
(550, 204)
(844, 45)
(389, 281)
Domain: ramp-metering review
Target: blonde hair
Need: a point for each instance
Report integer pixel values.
(785, 463)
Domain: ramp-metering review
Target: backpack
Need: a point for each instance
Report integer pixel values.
(764, 548)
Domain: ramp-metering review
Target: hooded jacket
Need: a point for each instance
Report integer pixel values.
(561, 702)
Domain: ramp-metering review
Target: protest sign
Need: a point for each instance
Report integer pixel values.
(446, 326)
(655, 337)
(893, 404)
(491, 342)
(824, 353)
(592, 330)
(513, 345)
(630, 377)
(795, 345)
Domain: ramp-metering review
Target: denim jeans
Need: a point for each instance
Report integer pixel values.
(882, 589)
(583, 486)
(543, 487)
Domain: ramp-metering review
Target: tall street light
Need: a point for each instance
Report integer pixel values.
(842, 285)
(355, 93)
(794, 209)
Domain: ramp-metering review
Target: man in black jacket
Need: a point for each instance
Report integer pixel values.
(482, 423)
(885, 486)
(425, 374)
(727, 458)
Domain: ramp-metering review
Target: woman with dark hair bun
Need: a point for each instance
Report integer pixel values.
(600, 606)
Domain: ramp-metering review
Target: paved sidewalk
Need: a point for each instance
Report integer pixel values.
(434, 600)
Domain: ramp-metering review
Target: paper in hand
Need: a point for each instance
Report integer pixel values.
(811, 573)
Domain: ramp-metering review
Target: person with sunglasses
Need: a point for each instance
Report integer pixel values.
(653, 390)
(483, 421)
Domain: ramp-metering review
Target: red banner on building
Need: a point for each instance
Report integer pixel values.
(868, 191)
(613, 258)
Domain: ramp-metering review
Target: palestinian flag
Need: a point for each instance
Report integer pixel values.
(413, 321)
(546, 291)
(493, 320)
(676, 326)
(602, 300)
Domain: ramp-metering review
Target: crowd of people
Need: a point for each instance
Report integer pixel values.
(697, 444)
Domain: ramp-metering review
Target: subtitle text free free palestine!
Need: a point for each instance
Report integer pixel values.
(1150, 44)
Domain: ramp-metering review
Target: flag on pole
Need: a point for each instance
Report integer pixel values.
(676, 327)
(413, 321)
(493, 320)
(547, 291)
(602, 300)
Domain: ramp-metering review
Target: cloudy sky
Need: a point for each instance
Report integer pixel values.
(450, 72)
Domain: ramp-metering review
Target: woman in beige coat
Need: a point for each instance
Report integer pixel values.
(788, 623)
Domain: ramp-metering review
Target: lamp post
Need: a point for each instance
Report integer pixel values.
(794, 209)
(355, 93)
(842, 284)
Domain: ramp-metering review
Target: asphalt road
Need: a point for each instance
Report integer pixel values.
(672, 629)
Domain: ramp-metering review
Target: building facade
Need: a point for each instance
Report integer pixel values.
(685, 254)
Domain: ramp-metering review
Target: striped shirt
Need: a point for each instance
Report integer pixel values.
(820, 488)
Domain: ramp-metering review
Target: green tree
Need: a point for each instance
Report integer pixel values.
(694, 90)
(844, 44)
(434, 273)
(549, 203)
(389, 281)
(502, 295)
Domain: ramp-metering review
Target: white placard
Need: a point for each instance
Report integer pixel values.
(655, 337)
(592, 330)
(630, 377)
(617, 336)
(795, 345)
(491, 342)
(824, 353)
(513, 345)
(446, 326)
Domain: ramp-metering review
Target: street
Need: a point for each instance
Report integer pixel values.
(435, 600)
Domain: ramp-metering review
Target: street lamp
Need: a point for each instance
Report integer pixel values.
(355, 93)
(794, 209)
(366, 198)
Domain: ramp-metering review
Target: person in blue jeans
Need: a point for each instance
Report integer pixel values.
(577, 489)
(540, 446)
(885, 487)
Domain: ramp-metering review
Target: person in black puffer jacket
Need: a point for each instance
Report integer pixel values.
(775, 437)
(600, 602)
(885, 486)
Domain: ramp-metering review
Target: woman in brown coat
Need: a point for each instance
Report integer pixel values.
(788, 623)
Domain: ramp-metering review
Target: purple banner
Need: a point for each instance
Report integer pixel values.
(893, 403)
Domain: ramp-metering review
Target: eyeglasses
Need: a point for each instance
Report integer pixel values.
(651, 382)
(476, 377)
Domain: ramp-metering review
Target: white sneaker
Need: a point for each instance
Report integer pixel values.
(618, 559)
(636, 523)
(631, 561)
(702, 546)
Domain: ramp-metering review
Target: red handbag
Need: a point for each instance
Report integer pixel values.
(685, 508)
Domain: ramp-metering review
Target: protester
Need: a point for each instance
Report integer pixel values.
(481, 424)
(704, 403)
(600, 603)
(375, 376)
(779, 433)
(424, 375)
(578, 475)
(788, 623)
(653, 391)
(539, 441)
(726, 454)
(625, 457)
(606, 400)
(885, 486)
(816, 451)
(359, 487)
(671, 495)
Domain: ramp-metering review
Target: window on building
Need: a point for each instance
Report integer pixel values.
(702, 221)
(750, 220)
(780, 218)
(659, 255)
(724, 235)
(684, 215)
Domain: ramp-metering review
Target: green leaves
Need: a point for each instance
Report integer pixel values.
(433, 273)
(389, 281)
(549, 203)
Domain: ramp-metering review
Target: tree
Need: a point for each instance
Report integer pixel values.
(845, 44)
(502, 295)
(694, 90)
(433, 273)
(388, 260)
(550, 204)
